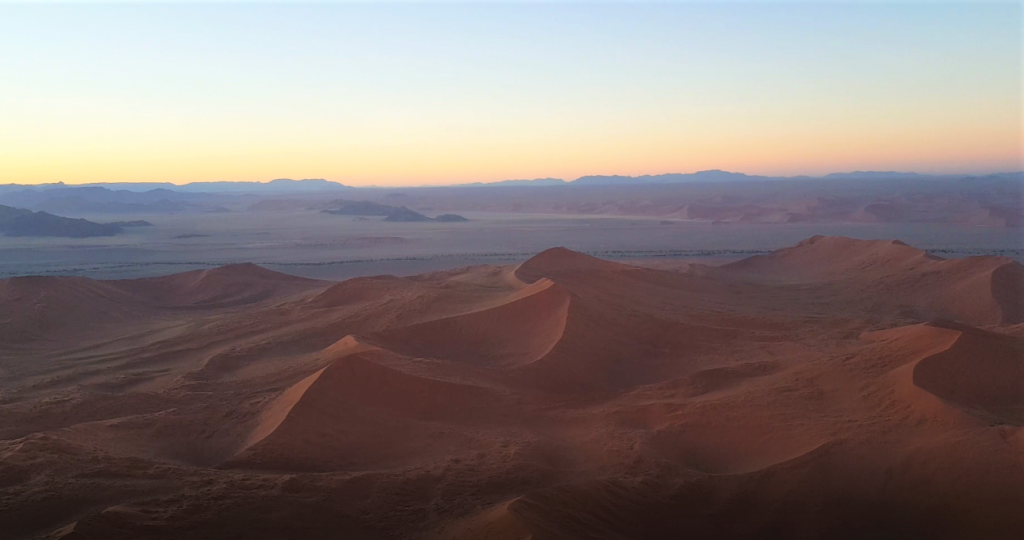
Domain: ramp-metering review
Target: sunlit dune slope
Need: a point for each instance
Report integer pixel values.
(359, 412)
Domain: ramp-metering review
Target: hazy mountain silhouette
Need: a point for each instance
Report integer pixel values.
(875, 175)
(675, 178)
(22, 222)
(404, 214)
(534, 182)
(30, 195)
(344, 207)
(134, 223)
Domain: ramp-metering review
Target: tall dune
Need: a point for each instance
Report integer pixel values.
(359, 412)
(521, 329)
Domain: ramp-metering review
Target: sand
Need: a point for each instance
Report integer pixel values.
(838, 388)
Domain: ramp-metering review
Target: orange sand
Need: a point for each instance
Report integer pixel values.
(835, 389)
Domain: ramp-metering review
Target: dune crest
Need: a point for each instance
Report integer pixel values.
(360, 412)
(899, 278)
(830, 257)
(225, 286)
(521, 328)
(981, 373)
(553, 262)
(69, 308)
(978, 372)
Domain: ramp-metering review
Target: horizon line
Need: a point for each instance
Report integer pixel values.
(539, 178)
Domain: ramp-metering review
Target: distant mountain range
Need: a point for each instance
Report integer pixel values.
(879, 175)
(21, 222)
(343, 207)
(675, 178)
(534, 182)
(281, 185)
(159, 194)
(712, 196)
(725, 176)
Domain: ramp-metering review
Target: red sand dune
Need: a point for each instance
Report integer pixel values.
(522, 328)
(824, 257)
(559, 261)
(809, 393)
(59, 308)
(974, 290)
(41, 308)
(359, 412)
(227, 286)
(981, 372)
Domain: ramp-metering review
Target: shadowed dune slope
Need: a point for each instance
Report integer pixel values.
(981, 372)
(225, 286)
(62, 307)
(521, 329)
(799, 498)
(41, 308)
(1008, 290)
(361, 289)
(605, 350)
(495, 523)
(392, 301)
(973, 290)
(627, 326)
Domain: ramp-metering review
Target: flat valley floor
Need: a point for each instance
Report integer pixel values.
(324, 246)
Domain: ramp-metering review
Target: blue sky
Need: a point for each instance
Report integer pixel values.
(404, 93)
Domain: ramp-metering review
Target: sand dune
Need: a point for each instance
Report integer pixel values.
(521, 329)
(559, 261)
(226, 286)
(824, 258)
(359, 412)
(809, 393)
(65, 308)
(974, 290)
(54, 308)
(981, 372)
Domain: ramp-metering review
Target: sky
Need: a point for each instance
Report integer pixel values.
(424, 93)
